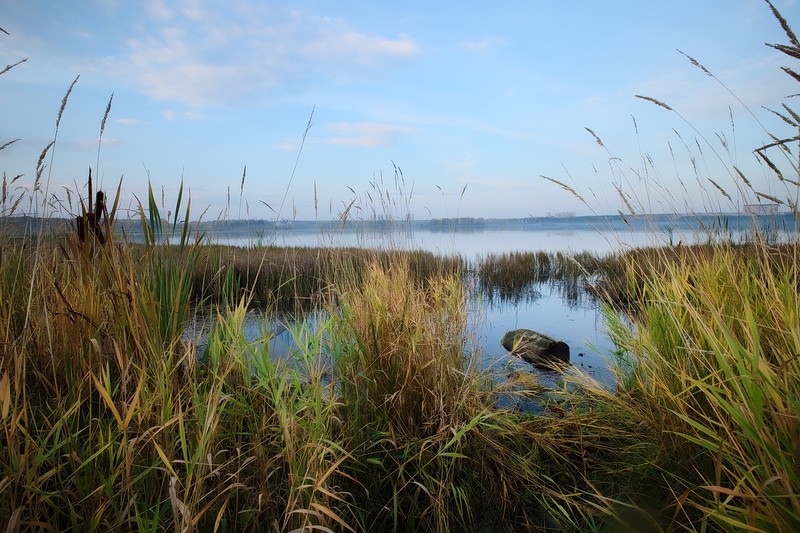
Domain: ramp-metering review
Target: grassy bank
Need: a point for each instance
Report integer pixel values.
(380, 420)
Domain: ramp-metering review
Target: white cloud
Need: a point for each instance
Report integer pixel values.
(336, 44)
(199, 56)
(364, 134)
(82, 144)
(129, 121)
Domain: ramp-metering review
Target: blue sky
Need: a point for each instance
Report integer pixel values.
(456, 94)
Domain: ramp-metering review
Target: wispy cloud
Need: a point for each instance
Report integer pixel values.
(198, 55)
(364, 134)
(484, 45)
(287, 146)
(181, 115)
(128, 121)
(757, 81)
(82, 144)
(158, 10)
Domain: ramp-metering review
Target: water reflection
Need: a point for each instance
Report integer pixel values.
(576, 320)
(560, 310)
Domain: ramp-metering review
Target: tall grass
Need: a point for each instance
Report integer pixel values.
(708, 365)
(378, 419)
(714, 369)
(295, 278)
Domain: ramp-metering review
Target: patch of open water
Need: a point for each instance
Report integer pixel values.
(578, 321)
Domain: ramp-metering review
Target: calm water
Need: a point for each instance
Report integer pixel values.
(466, 244)
(578, 322)
(593, 234)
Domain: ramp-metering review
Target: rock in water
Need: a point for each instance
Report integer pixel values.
(536, 348)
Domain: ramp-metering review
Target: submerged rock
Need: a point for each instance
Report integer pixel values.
(536, 348)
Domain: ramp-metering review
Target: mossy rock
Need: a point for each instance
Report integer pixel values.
(536, 348)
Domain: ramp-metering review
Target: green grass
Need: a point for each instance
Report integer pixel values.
(714, 372)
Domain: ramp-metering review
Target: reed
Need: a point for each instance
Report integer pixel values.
(434, 451)
(293, 279)
(714, 371)
(513, 275)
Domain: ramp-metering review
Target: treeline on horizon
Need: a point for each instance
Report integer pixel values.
(720, 222)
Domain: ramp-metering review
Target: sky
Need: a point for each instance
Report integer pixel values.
(326, 104)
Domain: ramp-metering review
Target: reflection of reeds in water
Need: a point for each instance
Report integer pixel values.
(515, 276)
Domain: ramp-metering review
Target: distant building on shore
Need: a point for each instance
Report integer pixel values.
(761, 209)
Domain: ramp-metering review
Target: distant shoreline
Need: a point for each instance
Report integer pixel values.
(785, 221)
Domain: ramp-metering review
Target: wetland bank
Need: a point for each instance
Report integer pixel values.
(386, 411)
(382, 415)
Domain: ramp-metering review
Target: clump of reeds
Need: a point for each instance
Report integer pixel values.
(406, 339)
(708, 365)
(293, 279)
(434, 451)
(514, 275)
(714, 370)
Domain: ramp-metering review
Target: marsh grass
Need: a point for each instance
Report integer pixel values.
(293, 279)
(378, 420)
(714, 370)
(708, 364)
(512, 275)
(111, 420)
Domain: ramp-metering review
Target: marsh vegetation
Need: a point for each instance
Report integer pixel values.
(382, 417)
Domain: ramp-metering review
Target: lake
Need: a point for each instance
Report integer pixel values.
(471, 238)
